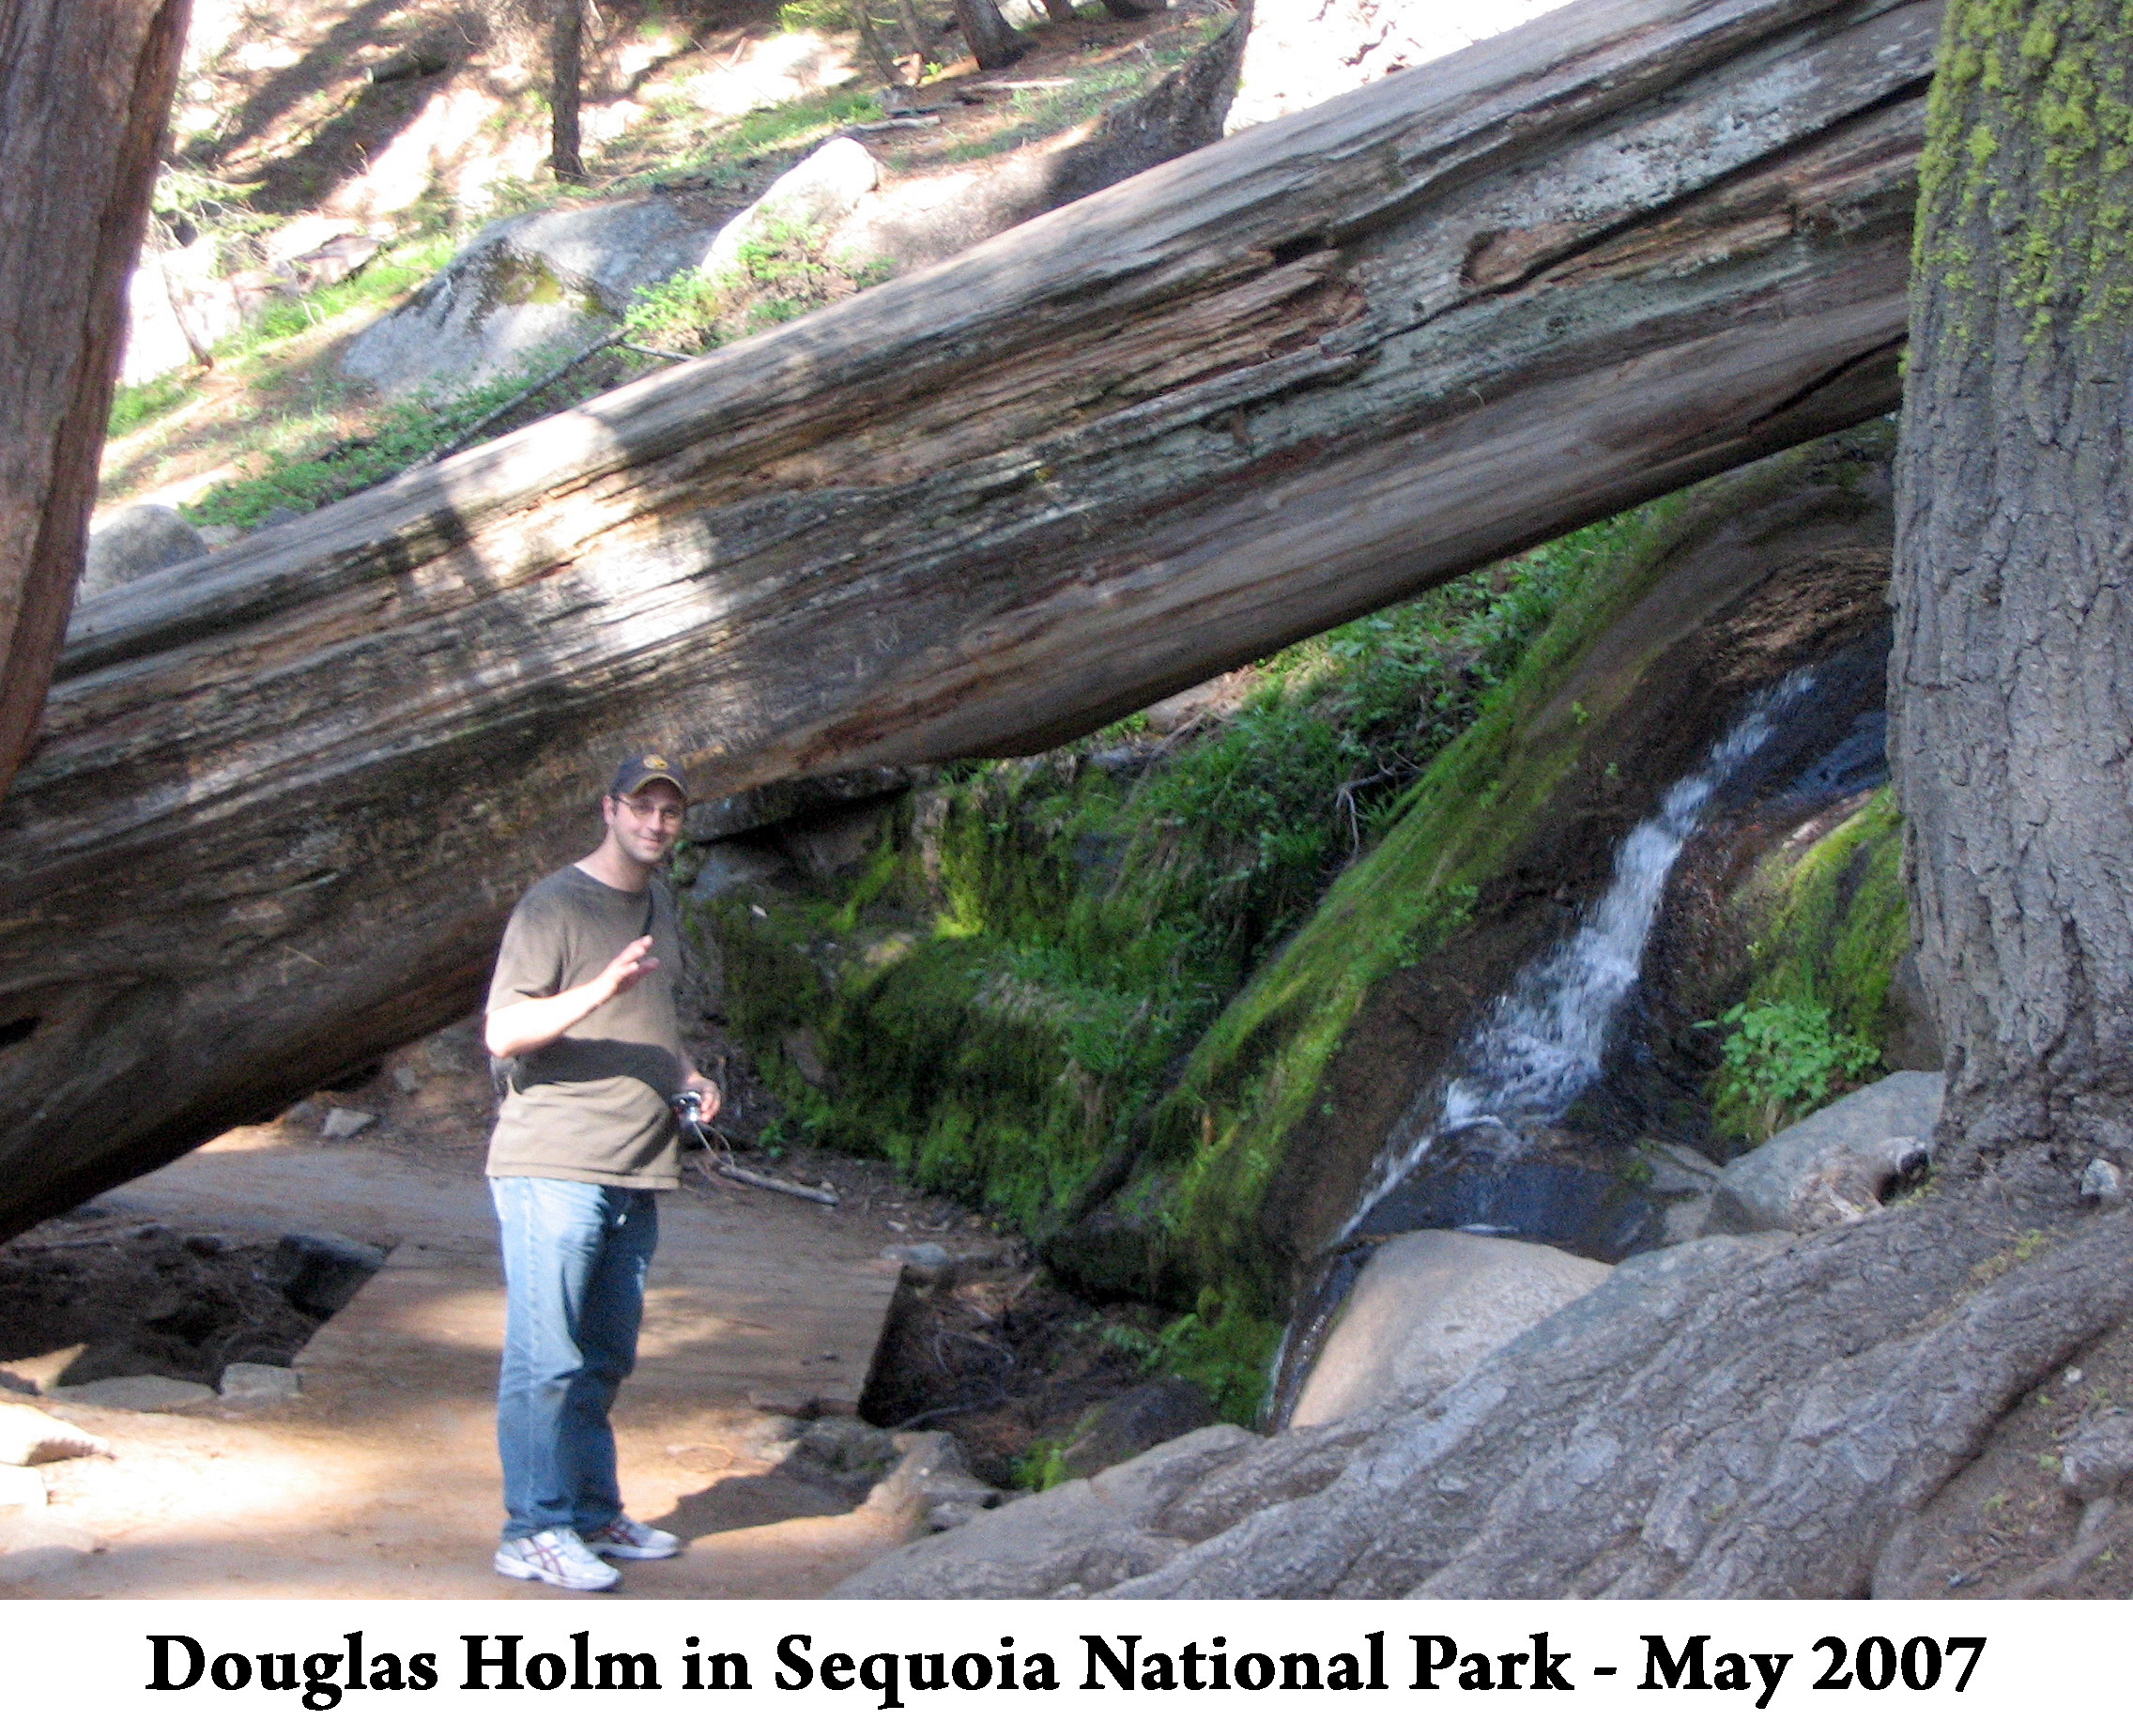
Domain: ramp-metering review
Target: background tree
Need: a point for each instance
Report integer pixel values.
(991, 38)
(85, 92)
(567, 67)
(2013, 669)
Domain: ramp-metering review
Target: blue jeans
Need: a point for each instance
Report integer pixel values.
(575, 1255)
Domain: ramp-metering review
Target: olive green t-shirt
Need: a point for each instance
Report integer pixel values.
(593, 1104)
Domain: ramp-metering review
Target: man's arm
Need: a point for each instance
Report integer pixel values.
(526, 1025)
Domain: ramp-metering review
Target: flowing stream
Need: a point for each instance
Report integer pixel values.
(1546, 1038)
(1541, 1043)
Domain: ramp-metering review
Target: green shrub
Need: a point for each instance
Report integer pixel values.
(1784, 1059)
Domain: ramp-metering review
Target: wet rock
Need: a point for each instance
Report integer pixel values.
(526, 288)
(259, 1383)
(1684, 1181)
(28, 1436)
(1088, 1534)
(346, 1123)
(1428, 1307)
(138, 1392)
(1763, 1191)
(133, 544)
(320, 1271)
(814, 195)
(1127, 1426)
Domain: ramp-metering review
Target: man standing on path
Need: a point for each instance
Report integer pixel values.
(581, 1009)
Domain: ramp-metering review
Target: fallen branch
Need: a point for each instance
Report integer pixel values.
(468, 435)
(824, 1195)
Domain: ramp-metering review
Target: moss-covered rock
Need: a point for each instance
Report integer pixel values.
(1829, 928)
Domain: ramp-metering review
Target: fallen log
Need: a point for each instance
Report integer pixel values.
(287, 796)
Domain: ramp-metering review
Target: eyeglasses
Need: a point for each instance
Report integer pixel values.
(666, 813)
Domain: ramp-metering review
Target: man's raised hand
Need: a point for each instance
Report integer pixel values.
(627, 967)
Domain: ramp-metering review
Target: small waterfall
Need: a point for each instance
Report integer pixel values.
(1541, 1044)
(1544, 1039)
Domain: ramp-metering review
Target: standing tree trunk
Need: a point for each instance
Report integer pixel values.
(2013, 671)
(989, 36)
(85, 90)
(870, 40)
(566, 58)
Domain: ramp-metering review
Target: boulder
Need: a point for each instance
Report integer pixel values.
(1770, 1188)
(346, 1123)
(132, 544)
(815, 195)
(526, 288)
(1084, 1536)
(1428, 1307)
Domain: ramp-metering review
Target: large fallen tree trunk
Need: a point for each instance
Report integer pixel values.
(286, 797)
(85, 90)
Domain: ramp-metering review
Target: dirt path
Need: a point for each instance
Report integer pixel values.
(381, 1480)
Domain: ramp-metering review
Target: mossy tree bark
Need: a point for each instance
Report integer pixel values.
(85, 92)
(2012, 676)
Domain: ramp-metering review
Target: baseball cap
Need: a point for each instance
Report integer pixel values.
(641, 768)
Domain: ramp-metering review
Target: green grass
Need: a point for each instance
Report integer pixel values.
(136, 407)
(309, 467)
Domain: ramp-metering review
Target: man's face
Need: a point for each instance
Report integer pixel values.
(645, 825)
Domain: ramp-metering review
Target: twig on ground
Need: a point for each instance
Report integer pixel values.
(467, 436)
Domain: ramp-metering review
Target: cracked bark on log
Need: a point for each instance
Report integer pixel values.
(85, 90)
(287, 795)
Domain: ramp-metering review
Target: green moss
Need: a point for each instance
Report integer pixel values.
(1828, 928)
(2029, 146)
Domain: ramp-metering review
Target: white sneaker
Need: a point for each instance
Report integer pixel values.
(557, 1558)
(626, 1540)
